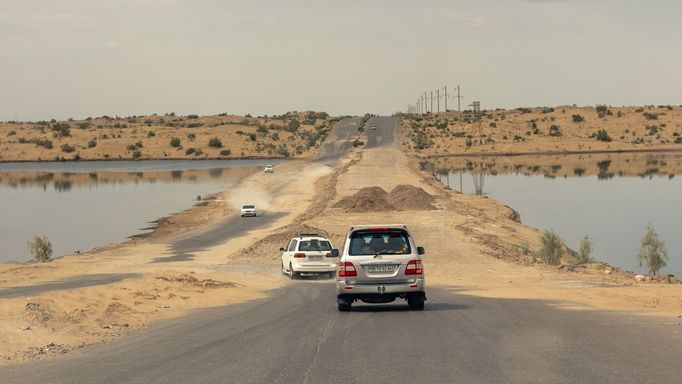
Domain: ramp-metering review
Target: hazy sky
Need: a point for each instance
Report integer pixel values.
(79, 58)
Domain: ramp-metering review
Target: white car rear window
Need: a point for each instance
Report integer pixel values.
(314, 246)
(393, 242)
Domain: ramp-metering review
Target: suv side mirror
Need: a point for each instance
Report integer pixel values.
(420, 250)
(335, 252)
(281, 249)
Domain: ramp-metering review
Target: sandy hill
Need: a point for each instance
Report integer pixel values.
(294, 134)
(554, 130)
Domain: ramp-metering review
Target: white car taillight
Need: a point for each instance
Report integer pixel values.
(414, 267)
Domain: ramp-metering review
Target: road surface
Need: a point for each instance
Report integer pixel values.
(297, 336)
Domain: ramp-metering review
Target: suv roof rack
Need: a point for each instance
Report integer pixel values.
(308, 234)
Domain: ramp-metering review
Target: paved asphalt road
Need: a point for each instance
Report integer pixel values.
(297, 336)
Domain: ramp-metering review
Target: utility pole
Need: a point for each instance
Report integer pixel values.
(446, 99)
(459, 107)
(426, 105)
(438, 99)
(477, 119)
(431, 101)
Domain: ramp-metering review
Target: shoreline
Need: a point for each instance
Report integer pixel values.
(476, 249)
(553, 153)
(157, 159)
(156, 227)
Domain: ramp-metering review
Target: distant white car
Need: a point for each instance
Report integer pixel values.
(309, 253)
(249, 210)
(373, 127)
(268, 168)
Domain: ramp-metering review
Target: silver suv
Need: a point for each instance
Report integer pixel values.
(378, 264)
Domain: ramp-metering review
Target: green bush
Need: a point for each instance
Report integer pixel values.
(357, 143)
(61, 129)
(67, 148)
(653, 253)
(585, 253)
(225, 152)
(151, 134)
(175, 142)
(137, 154)
(191, 136)
(554, 130)
(215, 143)
(603, 110)
(189, 151)
(192, 116)
(577, 118)
(131, 147)
(551, 248)
(139, 144)
(92, 143)
(602, 135)
(40, 248)
(650, 116)
(293, 125)
(252, 136)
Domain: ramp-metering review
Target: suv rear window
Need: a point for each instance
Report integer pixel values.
(389, 242)
(314, 245)
(249, 206)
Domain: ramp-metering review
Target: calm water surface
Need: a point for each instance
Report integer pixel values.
(87, 204)
(595, 197)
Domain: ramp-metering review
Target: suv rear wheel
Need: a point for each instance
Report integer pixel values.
(343, 307)
(292, 274)
(416, 304)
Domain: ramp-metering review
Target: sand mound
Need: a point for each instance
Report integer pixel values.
(366, 200)
(268, 247)
(407, 196)
(402, 197)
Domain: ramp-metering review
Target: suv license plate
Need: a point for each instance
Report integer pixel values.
(381, 268)
(315, 258)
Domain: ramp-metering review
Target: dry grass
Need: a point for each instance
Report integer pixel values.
(149, 137)
(529, 130)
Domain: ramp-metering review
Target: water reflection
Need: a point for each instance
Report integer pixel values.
(79, 206)
(611, 198)
(65, 181)
(604, 166)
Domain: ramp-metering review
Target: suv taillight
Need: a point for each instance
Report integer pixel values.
(347, 269)
(328, 254)
(297, 255)
(414, 267)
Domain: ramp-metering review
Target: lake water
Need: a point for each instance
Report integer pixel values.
(610, 198)
(81, 205)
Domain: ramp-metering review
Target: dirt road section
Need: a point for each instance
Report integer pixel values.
(473, 247)
(193, 260)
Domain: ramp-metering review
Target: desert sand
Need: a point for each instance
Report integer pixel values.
(294, 134)
(473, 245)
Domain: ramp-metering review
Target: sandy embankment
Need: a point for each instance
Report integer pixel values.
(472, 246)
(48, 322)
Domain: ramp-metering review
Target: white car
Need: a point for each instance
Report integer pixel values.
(268, 168)
(249, 210)
(309, 253)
